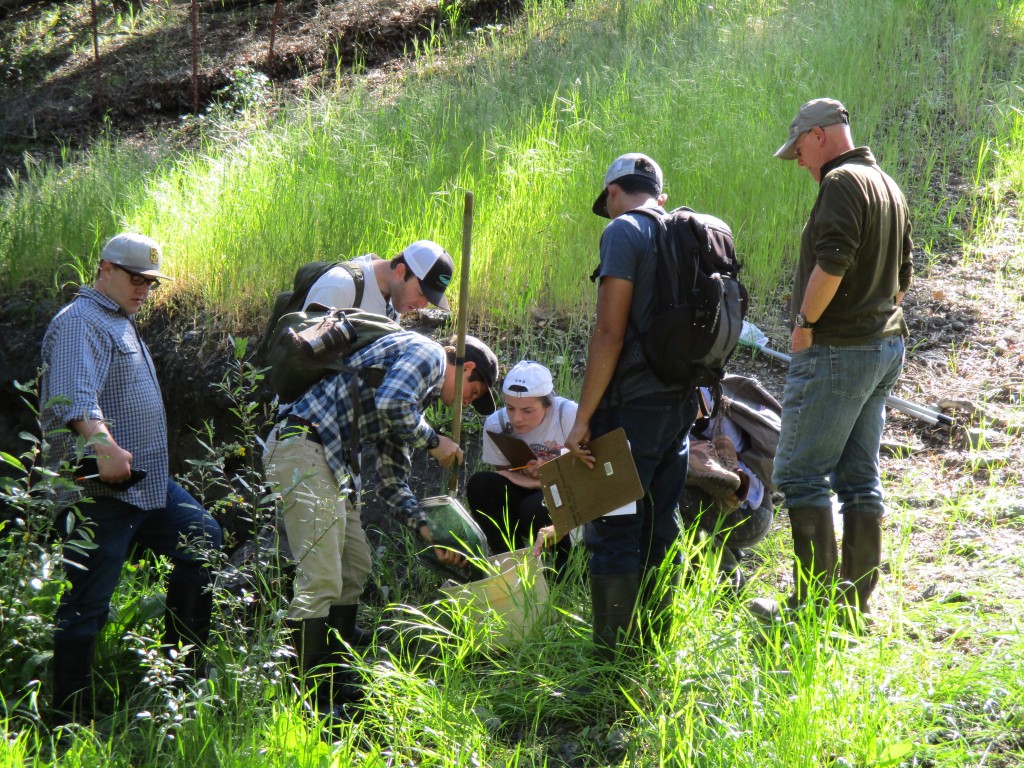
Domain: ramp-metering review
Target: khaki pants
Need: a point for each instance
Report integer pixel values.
(324, 531)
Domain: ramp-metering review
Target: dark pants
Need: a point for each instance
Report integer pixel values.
(507, 513)
(739, 529)
(510, 515)
(656, 427)
(183, 531)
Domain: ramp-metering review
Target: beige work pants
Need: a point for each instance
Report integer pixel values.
(324, 531)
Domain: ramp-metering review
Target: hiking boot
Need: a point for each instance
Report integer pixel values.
(727, 456)
(705, 471)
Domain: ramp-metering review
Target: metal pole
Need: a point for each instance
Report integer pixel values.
(754, 338)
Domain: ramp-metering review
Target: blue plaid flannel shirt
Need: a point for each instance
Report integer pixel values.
(97, 367)
(392, 418)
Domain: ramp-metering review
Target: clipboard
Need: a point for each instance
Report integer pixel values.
(575, 494)
(518, 453)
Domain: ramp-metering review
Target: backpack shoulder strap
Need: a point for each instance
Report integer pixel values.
(358, 279)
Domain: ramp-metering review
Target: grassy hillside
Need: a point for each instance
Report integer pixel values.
(528, 120)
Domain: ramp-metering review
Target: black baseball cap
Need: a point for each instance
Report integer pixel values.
(486, 363)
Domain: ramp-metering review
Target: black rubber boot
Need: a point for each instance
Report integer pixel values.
(862, 555)
(613, 599)
(346, 685)
(342, 618)
(814, 546)
(815, 561)
(656, 601)
(187, 622)
(72, 680)
(308, 638)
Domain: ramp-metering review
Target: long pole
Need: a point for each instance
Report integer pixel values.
(460, 348)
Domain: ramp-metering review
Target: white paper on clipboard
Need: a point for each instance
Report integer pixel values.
(625, 509)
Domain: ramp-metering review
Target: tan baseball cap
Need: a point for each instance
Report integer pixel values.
(134, 253)
(816, 113)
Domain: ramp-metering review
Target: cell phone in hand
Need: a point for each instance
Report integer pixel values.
(88, 469)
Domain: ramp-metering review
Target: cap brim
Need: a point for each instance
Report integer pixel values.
(436, 298)
(485, 405)
(600, 206)
(144, 272)
(787, 151)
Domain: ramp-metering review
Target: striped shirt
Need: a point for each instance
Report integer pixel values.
(392, 417)
(95, 366)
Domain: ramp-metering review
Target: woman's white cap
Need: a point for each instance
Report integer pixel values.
(528, 379)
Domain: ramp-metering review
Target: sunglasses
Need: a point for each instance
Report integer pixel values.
(138, 280)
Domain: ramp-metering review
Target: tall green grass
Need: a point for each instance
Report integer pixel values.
(530, 122)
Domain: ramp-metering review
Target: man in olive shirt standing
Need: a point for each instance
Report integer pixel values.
(847, 353)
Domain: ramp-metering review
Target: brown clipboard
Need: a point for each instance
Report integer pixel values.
(575, 494)
(518, 453)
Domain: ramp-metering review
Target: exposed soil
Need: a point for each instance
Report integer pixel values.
(143, 83)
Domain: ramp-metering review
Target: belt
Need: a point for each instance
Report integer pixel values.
(293, 425)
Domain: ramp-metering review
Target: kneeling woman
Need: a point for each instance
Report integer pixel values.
(508, 503)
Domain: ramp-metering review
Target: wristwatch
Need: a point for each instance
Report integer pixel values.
(433, 441)
(803, 322)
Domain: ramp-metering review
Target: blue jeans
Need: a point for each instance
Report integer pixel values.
(183, 531)
(833, 412)
(656, 427)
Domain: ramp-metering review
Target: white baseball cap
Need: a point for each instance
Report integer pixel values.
(434, 268)
(528, 379)
(134, 253)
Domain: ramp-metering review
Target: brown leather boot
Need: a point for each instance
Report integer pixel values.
(705, 471)
(727, 455)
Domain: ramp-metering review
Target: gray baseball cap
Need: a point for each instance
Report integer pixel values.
(816, 113)
(631, 164)
(134, 253)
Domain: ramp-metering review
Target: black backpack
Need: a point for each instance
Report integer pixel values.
(295, 299)
(700, 303)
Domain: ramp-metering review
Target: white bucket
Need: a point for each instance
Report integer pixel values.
(508, 604)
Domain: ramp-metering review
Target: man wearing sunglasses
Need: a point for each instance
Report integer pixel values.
(101, 399)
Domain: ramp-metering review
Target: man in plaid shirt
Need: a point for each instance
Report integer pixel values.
(312, 458)
(101, 398)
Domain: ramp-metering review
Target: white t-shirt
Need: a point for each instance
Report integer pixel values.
(337, 288)
(546, 439)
